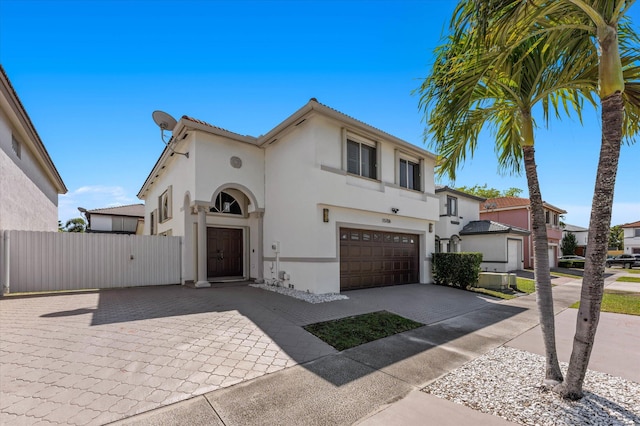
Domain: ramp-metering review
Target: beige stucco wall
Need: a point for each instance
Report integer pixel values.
(23, 205)
(468, 210)
(304, 174)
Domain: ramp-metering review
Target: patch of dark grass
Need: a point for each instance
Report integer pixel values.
(629, 279)
(618, 302)
(353, 331)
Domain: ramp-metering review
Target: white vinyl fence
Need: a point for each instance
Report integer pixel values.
(48, 261)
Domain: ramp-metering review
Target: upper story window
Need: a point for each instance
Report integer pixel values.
(361, 159)
(547, 217)
(17, 147)
(152, 223)
(410, 174)
(637, 232)
(452, 206)
(225, 203)
(164, 206)
(555, 219)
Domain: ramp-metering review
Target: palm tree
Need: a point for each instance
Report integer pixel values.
(571, 26)
(471, 88)
(602, 23)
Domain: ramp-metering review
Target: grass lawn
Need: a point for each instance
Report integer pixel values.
(629, 279)
(348, 332)
(633, 271)
(523, 285)
(560, 274)
(618, 302)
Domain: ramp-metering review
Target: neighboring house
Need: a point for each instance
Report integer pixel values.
(322, 203)
(460, 229)
(456, 210)
(631, 237)
(127, 219)
(516, 211)
(581, 234)
(29, 181)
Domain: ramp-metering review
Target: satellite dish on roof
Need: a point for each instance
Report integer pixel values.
(166, 122)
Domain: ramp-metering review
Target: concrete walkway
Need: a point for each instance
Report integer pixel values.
(49, 363)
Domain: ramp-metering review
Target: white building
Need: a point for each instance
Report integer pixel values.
(461, 230)
(631, 237)
(322, 202)
(581, 234)
(29, 181)
(128, 219)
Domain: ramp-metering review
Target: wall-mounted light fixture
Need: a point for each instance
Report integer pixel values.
(430, 227)
(395, 210)
(325, 215)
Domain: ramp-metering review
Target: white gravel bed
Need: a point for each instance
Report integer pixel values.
(302, 295)
(506, 382)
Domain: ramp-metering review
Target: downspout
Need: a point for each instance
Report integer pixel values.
(5, 285)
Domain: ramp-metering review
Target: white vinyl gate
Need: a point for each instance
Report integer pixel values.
(49, 261)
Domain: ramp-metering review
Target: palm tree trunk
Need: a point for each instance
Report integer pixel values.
(599, 227)
(544, 296)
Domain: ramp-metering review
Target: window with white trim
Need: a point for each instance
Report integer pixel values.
(152, 223)
(362, 159)
(409, 174)
(452, 206)
(16, 146)
(226, 203)
(164, 206)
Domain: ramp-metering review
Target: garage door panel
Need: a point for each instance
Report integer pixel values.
(376, 258)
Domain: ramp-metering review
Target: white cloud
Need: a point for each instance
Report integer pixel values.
(92, 197)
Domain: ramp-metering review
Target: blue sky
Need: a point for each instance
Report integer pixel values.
(90, 73)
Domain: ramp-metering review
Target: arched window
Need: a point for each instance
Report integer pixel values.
(225, 203)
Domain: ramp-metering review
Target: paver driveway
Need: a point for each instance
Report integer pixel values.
(96, 357)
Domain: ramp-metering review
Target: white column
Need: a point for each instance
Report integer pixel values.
(202, 248)
(260, 247)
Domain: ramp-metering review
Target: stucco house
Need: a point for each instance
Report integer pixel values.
(581, 235)
(516, 211)
(128, 219)
(631, 237)
(29, 181)
(460, 229)
(321, 203)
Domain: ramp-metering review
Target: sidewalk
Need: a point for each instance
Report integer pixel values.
(378, 383)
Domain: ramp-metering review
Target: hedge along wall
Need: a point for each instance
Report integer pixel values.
(456, 269)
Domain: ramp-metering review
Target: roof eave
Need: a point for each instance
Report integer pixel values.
(43, 155)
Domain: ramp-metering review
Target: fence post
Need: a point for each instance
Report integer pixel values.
(6, 269)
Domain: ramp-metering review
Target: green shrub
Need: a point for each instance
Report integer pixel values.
(456, 269)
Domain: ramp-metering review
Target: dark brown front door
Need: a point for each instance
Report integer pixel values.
(376, 258)
(224, 252)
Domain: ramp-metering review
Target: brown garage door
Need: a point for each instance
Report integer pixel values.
(376, 258)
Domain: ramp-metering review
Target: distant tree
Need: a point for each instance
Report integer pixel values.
(569, 244)
(485, 192)
(616, 238)
(75, 225)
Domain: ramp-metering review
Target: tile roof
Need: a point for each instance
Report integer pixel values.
(490, 227)
(136, 210)
(441, 188)
(574, 228)
(204, 123)
(512, 203)
(631, 225)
